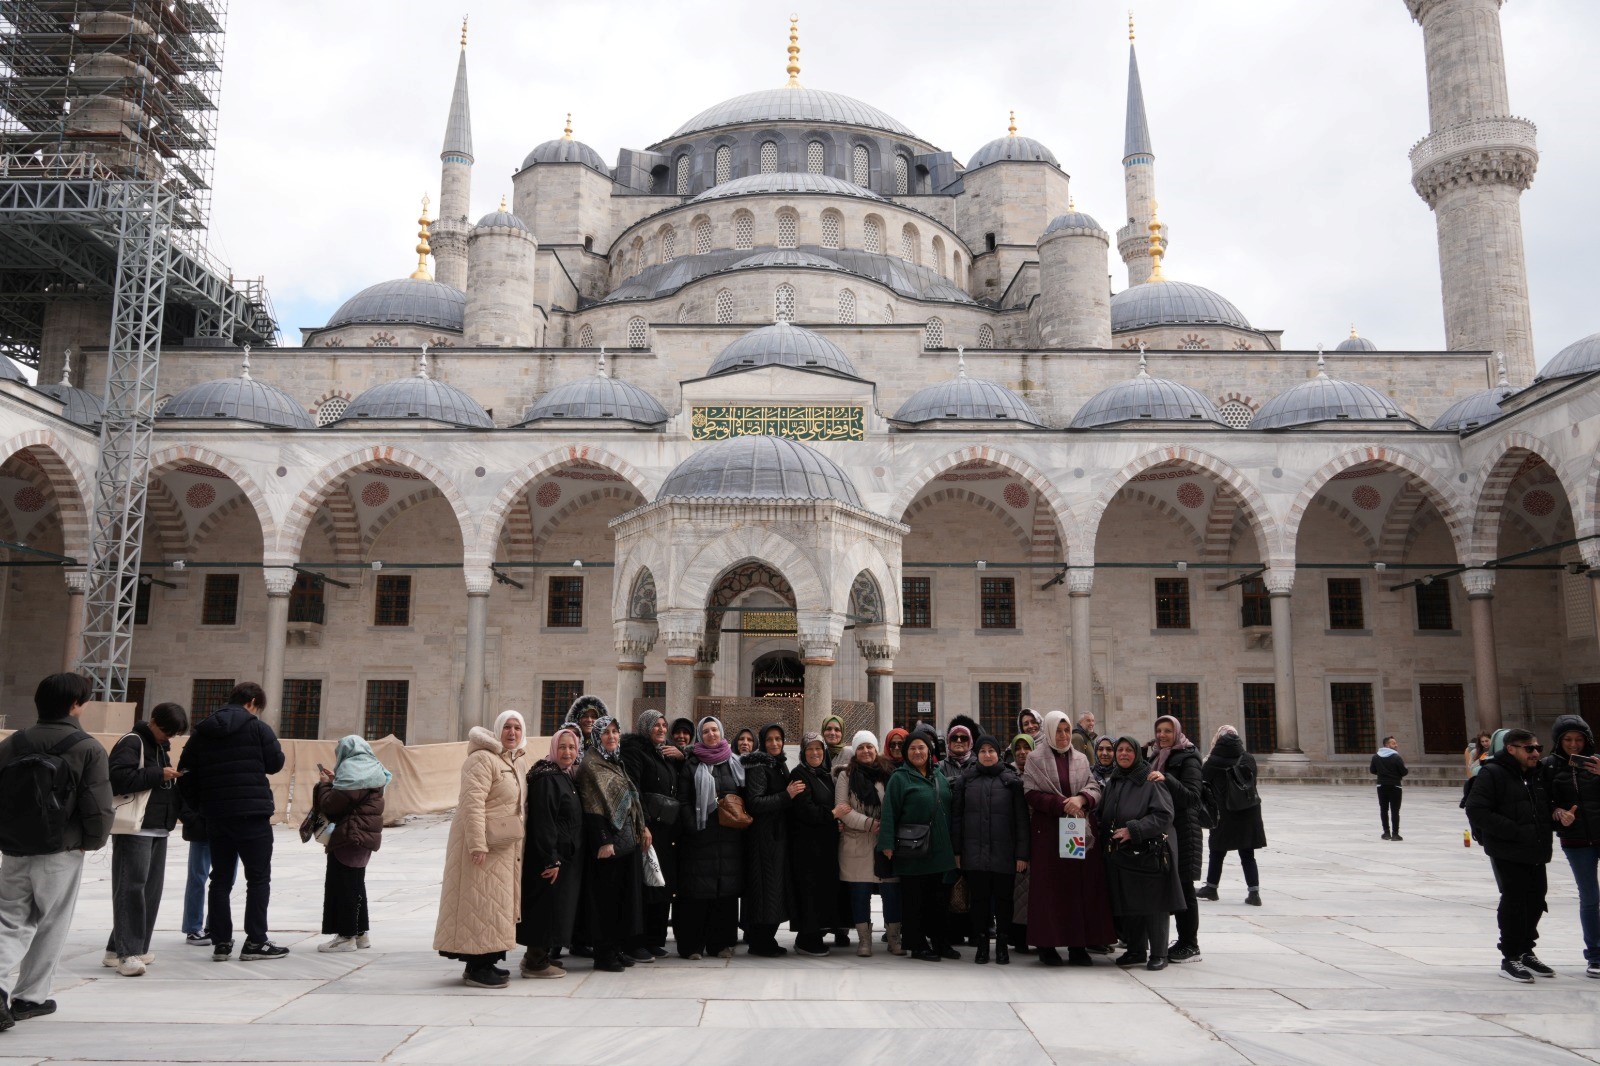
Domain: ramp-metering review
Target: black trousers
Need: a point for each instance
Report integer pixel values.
(924, 909)
(992, 895)
(1522, 891)
(1389, 807)
(1144, 933)
(706, 926)
(654, 933)
(235, 841)
(1188, 919)
(344, 899)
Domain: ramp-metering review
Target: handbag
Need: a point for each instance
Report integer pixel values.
(731, 813)
(913, 840)
(502, 830)
(660, 808)
(313, 823)
(960, 896)
(653, 877)
(1147, 858)
(324, 835)
(128, 817)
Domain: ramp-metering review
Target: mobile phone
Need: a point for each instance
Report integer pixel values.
(321, 769)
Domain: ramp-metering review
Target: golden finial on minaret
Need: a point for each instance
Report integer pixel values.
(794, 52)
(1130, 24)
(566, 133)
(463, 31)
(502, 201)
(1157, 246)
(423, 248)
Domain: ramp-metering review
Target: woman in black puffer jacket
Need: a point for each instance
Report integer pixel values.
(767, 792)
(1175, 761)
(990, 833)
(654, 765)
(1238, 829)
(1574, 791)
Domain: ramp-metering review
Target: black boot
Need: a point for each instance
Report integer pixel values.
(982, 955)
(1002, 954)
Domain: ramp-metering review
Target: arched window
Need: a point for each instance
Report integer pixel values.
(683, 313)
(638, 334)
(955, 269)
(888, 314)
(669, 244)
(985, 336)
(724, 306)
(744, 231)
(586, 336)
(872, 234)
(847, 306)
(1237, 414)
(933, 334)
(902, 175)
(382, 339)
(724, 164)
(860, 166)
(783, 303)
(683, 175)
(814, 157)
(702, 237)
(832, 229)
(788, 228)
(938, 255)
(331, 410)
(1193, 343)
(910, 246)
(636, 258)
(658, 178)
(769, 157)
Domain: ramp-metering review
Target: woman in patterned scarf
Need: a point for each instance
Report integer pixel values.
(614, 836)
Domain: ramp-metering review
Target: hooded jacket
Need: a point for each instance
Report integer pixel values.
(1389, 767)
(1510, 811)
(228, 759)
(1572, 783)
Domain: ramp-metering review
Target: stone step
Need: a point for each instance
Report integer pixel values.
(1284, 771)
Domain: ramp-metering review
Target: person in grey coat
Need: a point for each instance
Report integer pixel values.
(1136, 818)
(989, 831)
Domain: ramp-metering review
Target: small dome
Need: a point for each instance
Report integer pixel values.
(597, 396)
(966, 399)
(245, 399)
(1071, 220)
(84, 408)
(1011, 148)
(1355, 343)
(791, 105)
(784, 182)
(782, 344)
(566, 150)
(419, 397)
(404, 302)
(1325, 399)
(1579, 357)
(1479, 409)
(501, 220)
(1146, 399)
(786, 257)
(1172, 303)
(10, 371)
(759, 468)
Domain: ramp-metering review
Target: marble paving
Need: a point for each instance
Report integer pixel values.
(1366, 951)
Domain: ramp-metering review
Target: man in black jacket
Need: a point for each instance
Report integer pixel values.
(1390, 768)
(140, 764)
(1510, 816)
(225, 767)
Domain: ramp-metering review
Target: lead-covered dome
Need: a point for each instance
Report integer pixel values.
(785, 257)
(783, 344)
(1072, 220)
(1356, 343)
(1011, 148)
(566, 150)
(78, 406)
(785, 182)
(1579, 357)
(421, 397)
(1325, 399)
(501, 219)
(1479, 409)
(759, 468)
(597, 396)
(791, 104)
(10, 371)
(966, 399)
(404, 302)
(242, 398)
(1172, 303)
(1146, 399)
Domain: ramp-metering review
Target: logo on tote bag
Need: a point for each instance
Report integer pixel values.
(1074, 838)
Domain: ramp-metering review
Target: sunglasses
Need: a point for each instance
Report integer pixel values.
(1527, 747)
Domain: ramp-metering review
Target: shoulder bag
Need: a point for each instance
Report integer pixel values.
(731, 813)
(129, 808)
(1149, 858)
(659, 807)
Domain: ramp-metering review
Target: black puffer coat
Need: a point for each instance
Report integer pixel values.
(1185, 779)
(1135, 803)
(1510, 811)
(553, 836)
(1236, 830)
(814, 852)
(228, 759)
(766, 852)
(1568, 782)
(161, 810)
(655, 776)
(989, 824)
(710, 860)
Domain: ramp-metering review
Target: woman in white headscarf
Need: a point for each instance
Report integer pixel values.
(480, 899)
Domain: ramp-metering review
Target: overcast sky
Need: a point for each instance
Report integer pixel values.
(1281, 128)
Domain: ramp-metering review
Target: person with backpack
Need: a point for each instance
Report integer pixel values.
(142, 776)
(1230, 776)
(1390, 768)
(55, 790)
(1175, 762)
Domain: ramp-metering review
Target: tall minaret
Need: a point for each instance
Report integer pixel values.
(1471, 169)
(455, 183)
(1139, 175)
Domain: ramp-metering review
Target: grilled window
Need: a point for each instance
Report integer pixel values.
(1260, 717)
(788, 229)
(387, 706)
(933, 334)
(638, 334)
(832, 227)
(207, 696)
(301, 716)
(565, 607)
(1181, 699)
(916, 603)
(220, 606)
(1433, 606)
(814, 157)
(1255, 603)
(1353, 723)
(724, 164)
(392, 604)
(847, 306)
(141, 602)
(783, 303)
(997, 603)
(1344, 603)
(702, 238)
(1172, 603)
(999, 703)
(902, 175)
(306, 602)
(744, 231)
(872, 236)
(554, 699)
(860, 166)
(724, 306)
(985, 336)
(769, 157)
(908, 696)
(683, 175)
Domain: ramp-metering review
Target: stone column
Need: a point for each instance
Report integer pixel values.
(634, 639)
(878, 645)
(479, 579)
(1280, 585)
(280, 582)
(1486, 666)
(1594, 592)
(819, 633)
(1080, 583)
(682, 632)
(77, 585)
(704, 668)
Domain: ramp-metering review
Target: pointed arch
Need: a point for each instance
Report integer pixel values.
(1399, 523)
(188, 453)
(693, 587)
(1248, 498)
(164, 518)
(626, 493)
(1167, 511)
(1440, 496)
(343, 523)
(1489, 508)
(311, 495)
(69, 483)
(517, 484)
(370, 535)
(643, 554)
(1358, 529)
(1066, 523)
(967, 496)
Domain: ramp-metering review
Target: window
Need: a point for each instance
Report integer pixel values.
(860, 166)
(955, 268)
(655, 690)
(938, 255)
(565, 608)
(586, 336)
(999, 703)
(669, 244)
(554, 699)
(1255, 603)
(769, 157)
(908, 697)
(636, 260)
(847, 306)
(683, 175)
(933, 334)
(387, 703)
(1172, 603)
(910, 247)
(1192, 343)
(832, 229)
(985, 336)
(141, 602)
(331, 410)
(220, 606)
(872, 236)
(916, 603)
(136, 687)
(902, 175)
(988, 242)
(788, 229)
(1344, 603)
(1237, 414)
(382, 339)
(392, 604)
(814, 157)
(207, 696)
(1433, 605)
(1260, 717)
(783, 303)
(1181, 699)
(638, 335)
(724, 306)
(997, 603)
(888, 314)
(724, 164)
(305, 599)
(1353, 725)
(744, 229)
(301, 716)
(702, 237)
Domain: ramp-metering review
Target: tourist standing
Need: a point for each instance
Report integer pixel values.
(858, 790)
(1084, 736)
(914, 834)
(1175, 762)
(1574, 789)
(989, 833)
(1230, 774)
(1102, 763)
(1390, 769)
(614, 839)
(552, 858)
(351, 797)
(813, 849)
(1068, 902)
(767, 791)
(1511, 817)
(1135, 819)
(653, 764)
(1478, 752)
(141, 763)
(710, 854)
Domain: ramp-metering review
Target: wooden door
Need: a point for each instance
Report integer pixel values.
(1444, 718)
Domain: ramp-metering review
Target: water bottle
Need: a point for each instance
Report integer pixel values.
(1466, 838)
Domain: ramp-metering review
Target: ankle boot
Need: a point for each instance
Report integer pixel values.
(1002, 953)
(895, 947)
(1254, 898)
(864, 940)
(1207, 891)
(982, 954)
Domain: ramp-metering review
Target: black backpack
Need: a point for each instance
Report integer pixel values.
(1239, 789)
(38, 792)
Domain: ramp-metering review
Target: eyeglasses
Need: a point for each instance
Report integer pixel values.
(1527, 747)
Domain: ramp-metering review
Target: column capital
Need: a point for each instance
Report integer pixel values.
(1279, 580)
(77, 579)
(1478, 582)
(682, 631)
(878, 643)
(819, 633)
(279, 579)
(479, 579)
(633, 639)
(1080, 582)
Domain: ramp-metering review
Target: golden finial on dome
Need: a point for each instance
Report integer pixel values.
(1072, 205)
(502, 202)
(794, 52)
(423, 248)
(566, 133)
(1353, 334)
(463, 31)
(1157, 246)
(1012, 129)
(1130, 24)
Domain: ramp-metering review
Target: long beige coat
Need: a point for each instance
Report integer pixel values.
(479, 906)
(858, 836)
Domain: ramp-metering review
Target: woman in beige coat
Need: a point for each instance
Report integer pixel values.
(858, 804)
(480, 899)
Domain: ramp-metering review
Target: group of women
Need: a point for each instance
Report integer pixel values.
(611, 839)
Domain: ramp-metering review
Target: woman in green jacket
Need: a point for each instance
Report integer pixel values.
(917, 804)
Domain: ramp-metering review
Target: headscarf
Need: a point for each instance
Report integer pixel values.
(1179, 741)
(1042, 774)
(755, 745)
(1024, 738)
(604, 787)
(959, 729)
(1047, 730)
(1103, 771)
(806, 740)
(761, 738)
(926, 735)
(1140, 768)
(601, 724)
(547, 765)
(688, 727)
(586, 702)
(500, 725)
(1222, 731)
(834, 750)
(647, 721)
(1031, 713)
(705, 783)
(889, 739)
(356, 767)
(572, 727)
(977, 763)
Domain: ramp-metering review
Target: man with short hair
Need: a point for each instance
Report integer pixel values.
(225, 767)
(1510, 816)
(1084, 736)
(39, 892)
(1389, 766)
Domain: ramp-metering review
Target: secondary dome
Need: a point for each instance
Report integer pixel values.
(419, 396)
(966, 399)
(10, 371)
(759, 468)
(597, 396)
(1072, 220)
(566, 150)
(791, 105)
(786, 257)
(1146, 399)
(501, 219)
(1172, 303)
(1579, 357)
(405, 302)
(1479, 409)
(782, 344)
(83, 408)
(1325, 399)
(243, 398)
(1356, 343)
(1013, 148)
(785, 182)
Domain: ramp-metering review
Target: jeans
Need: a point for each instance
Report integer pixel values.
(138, 871)
(1522, 892)
(1247, 863)
(194, 891)
(247, 841)
(1389, 806)
(38, 895)
(1585, 862)
(861, 901)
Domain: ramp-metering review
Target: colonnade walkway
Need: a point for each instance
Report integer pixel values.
(1365, 951)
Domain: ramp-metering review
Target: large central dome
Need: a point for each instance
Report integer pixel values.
(791, 105)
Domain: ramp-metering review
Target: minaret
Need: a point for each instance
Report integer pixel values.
(1139, 177)
(455, 182)
(1471, 169)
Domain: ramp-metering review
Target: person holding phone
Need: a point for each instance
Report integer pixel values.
(351, 797)
(1572, 779)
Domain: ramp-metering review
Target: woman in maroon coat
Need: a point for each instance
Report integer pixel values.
(1069, 904)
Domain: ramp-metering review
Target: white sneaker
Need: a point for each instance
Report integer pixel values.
(339, 943)
(363, 941)
(111, 960)
(130, 967)
(147, 959)
(1592, 970)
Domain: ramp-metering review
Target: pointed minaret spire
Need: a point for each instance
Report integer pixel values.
(794, 54)
(600, 363)
(1136, 138)
(455, 182)
(66, 368)
(1138, 161)
(458, 127)
(244, 364)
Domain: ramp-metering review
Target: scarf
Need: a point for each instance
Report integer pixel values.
(647, 721)
(1027, 713)
(1103, 772)
(815, 778)
(1386, 751)
(570, 727)
(864, 782)
(1041, 775)
(705, 781)
(1047, 732)
(605, 790)
(755, 745)
(601, 724)
(500, 724)
(1141, 766)
(889, 740)
(834, 750)
(806, 740)
(1179, 742)
(357, 767)
(761, 740)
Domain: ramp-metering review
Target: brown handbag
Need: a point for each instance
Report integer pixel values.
(731, 813)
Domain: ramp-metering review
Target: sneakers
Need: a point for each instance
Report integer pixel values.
(1207, 892)
(7, 1019)
(338, 943)
(1513, 970)
(23, 1009)
(1530, 961)
(1184, 953)
(641, 955)
(545, 972)
(198, 940)
(111, 960)
(1592, 970)
(363, 942)
(487, 977)
(264, 950)
(1129, 959)
(221, 950)
(130, 967)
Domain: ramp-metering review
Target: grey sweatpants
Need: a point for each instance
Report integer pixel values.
(38, 895)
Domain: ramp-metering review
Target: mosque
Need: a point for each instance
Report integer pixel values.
(796, 409)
